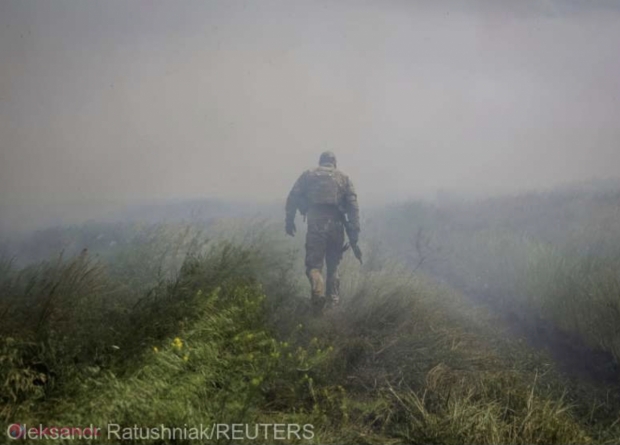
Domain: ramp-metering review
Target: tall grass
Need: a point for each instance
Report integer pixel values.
(228, 337)
(549, 259)
(579, 293)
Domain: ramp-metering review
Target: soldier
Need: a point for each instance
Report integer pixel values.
(326, 196)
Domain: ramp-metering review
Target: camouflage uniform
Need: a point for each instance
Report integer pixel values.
(325, 195)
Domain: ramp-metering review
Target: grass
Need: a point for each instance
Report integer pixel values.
(549, 259)
(219, 330)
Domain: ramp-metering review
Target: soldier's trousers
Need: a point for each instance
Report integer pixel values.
(324, 244)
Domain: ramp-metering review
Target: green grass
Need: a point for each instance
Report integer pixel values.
(226, 336)
(551, 260)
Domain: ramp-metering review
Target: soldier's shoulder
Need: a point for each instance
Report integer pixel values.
(341, 174)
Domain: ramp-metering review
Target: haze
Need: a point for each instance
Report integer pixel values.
(120, 101)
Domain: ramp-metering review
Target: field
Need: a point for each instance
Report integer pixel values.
(491, 321)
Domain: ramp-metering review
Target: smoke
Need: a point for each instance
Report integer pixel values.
(116, 102)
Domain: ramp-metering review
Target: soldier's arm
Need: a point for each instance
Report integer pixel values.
(351, 206)
(294, 199)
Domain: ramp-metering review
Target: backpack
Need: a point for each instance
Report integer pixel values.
(323, 186)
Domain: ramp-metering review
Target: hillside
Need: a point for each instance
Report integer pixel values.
(182, 327)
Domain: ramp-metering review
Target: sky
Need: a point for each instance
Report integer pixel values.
(106, 101)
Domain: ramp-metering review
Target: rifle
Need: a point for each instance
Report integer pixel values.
(356, 249)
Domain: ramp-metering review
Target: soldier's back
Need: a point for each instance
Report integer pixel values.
(325, 185)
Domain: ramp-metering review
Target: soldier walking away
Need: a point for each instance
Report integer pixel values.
(327, 198)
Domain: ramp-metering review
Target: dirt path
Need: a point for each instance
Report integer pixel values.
(571, 354)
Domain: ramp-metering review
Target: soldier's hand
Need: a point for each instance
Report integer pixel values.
(290, 228)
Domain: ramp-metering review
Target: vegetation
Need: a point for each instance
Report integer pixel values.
(550, 260)
(185, 325)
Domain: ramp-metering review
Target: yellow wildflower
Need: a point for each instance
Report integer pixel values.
(155, 349)
(177, 343)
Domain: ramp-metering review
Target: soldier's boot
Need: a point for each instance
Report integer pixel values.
(318, 305)
(333, 290)
(317, 298)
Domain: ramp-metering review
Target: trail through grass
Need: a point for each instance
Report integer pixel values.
(228, 338)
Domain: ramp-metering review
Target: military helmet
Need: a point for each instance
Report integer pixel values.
(327, 157)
